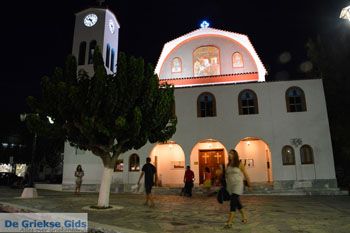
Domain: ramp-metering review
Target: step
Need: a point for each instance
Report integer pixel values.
(258, 191)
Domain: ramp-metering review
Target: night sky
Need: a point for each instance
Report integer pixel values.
(37, 35)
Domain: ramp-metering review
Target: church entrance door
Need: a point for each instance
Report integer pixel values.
(211, 159)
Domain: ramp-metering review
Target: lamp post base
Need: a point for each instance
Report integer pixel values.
(29, 193)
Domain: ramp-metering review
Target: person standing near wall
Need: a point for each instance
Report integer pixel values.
(79, 173)
(218, 175)
(188, 180)
(149, 171)
(207, 180)
(235, 174)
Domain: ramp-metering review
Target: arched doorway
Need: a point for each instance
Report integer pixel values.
(169, 159)
(207, 153)
(255, 154)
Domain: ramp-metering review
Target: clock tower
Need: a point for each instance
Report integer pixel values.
(96, 26)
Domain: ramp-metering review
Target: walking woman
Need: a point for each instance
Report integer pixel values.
(235, 174)
(79, 173)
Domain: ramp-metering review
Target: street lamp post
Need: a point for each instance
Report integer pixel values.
(31, 171)
(30, 191)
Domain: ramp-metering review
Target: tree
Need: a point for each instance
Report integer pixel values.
(107, 114)
(49, 152)
(330, 56)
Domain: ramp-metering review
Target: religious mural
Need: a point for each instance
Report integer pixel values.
(206, 61)
(176, 65)
(237, 60)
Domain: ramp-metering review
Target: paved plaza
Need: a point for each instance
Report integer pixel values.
(197, 214)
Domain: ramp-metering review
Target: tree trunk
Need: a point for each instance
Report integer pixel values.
(105, 187)
(103, 197)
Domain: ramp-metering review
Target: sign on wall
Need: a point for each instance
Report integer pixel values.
(248, 163)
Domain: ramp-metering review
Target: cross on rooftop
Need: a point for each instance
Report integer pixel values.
(204, 24)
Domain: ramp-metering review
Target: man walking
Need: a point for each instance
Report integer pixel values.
(149, 171)
(188, 180)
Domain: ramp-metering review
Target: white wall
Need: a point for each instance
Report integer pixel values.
(273, 124)
(91, 164)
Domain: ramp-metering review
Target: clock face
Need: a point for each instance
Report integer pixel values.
(90, 20)
(111, 26)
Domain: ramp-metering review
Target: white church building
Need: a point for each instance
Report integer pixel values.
(222, 101)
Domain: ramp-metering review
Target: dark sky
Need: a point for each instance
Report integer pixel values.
(37, 35)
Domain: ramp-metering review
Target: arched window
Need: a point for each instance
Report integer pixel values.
(288, 157)
(112, 61)
(295, 100)
(82, 53)
(108, 52)
(206, 105)
(176, 65)
(248, 102)
(237, 60)
(134, 163)
(306, 155)
(119, 166)
(206, 61)
(91, 51)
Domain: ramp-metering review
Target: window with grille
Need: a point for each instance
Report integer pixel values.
(206, 106)
(119, 166)
(134, 163)
(288, 156)
(248, 103)
(82, 53)
(306, 155)
(91, 51)
(108, 54)
(295, 100)
(112, 60)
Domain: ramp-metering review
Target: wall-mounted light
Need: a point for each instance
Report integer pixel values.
(248, 143)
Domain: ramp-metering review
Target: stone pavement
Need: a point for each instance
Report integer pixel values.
(197, 214)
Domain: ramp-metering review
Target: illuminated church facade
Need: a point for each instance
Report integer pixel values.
(222, 101)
